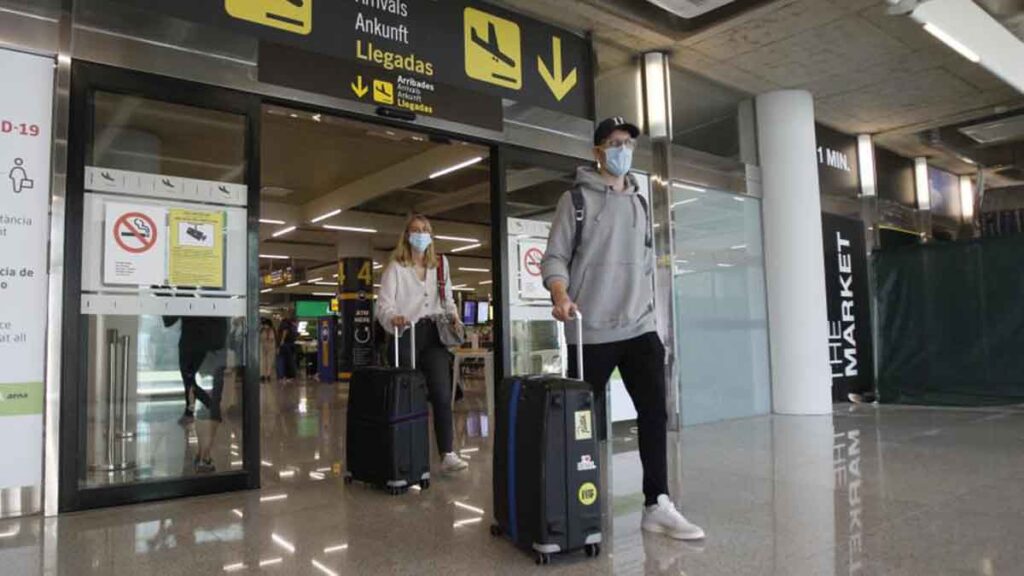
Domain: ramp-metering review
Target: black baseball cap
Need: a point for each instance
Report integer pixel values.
(609, 125)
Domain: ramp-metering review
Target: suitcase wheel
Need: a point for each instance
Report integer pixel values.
(425, 484)
(495, 530)
(543, 559)
(348, 479)
(397, 490)
(592, 550)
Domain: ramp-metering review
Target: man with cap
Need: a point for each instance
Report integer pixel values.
(599, 262)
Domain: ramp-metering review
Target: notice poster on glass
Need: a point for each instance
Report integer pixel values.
(196, 252)
(134, 252)
(26, 103)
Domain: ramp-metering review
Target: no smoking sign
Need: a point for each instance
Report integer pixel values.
(135, 233)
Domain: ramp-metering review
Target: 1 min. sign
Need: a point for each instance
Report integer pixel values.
(463, 44)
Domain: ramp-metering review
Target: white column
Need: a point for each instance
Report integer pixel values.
(794, 254)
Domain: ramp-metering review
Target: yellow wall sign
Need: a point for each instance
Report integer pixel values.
(290, 15)
(383, 92)
(587, 494)
(493, 49)
(197, 248)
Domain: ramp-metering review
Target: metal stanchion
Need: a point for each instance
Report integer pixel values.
(118, 366)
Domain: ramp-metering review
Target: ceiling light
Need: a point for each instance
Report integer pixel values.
(270, 562)
(324, 294)
(293, 284)
(738, 247)
(269, 221)
(317, 118)
(684, 202)
(966, 199)
(456, 239)
(273, 498)
(866, 160)
(325, 283)
(315, 280)
(350, 229)
(377, 265)
(323, 217)
(284, 231)
(739, 199)
(657, 94)
(484, 270)
(238, 512)
(234, 567)
(273, 257)
(266, 291)
(457, 167)
(470, 247)
(486, 282)
(924, 197)
(952, 42)
(726, 265)
(464, 289)
(467, 521)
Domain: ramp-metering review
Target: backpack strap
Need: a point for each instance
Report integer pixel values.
(442, 283)
(648, 240)
(579, 206)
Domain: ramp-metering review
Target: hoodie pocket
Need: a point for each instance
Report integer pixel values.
(613, 295)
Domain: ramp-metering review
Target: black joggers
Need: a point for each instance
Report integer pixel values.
(641, 362)
(435, 361)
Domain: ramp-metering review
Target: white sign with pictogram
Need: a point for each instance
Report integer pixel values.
(134, 247)
(531, 282)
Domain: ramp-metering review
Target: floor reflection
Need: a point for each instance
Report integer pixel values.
(868, 491)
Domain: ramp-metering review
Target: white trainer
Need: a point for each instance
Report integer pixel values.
(452, 463)
(663, 518)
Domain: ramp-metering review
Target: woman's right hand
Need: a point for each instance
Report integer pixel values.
(399, 321)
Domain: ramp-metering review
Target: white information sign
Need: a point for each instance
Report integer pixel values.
(134, 245)
(26, 102)
(531, 283)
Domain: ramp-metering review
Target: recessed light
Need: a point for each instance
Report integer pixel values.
(350, 229)
(323, 217)
(283, 231)
(456, 167)
(470, 247)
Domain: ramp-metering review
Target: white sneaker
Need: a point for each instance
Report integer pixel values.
(663, 518)
(452, 463)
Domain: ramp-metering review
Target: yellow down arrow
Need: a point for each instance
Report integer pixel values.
(359, 88)
(559, 85)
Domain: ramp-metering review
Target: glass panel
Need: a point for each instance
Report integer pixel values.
(721, 312)
(532, 192)
(163, 291)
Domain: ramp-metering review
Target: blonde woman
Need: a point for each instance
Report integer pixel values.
(409, 296)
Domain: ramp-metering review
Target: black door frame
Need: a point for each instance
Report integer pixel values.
(86, 79)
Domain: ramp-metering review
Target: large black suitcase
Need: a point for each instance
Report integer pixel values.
(387, 442)
(546, 476)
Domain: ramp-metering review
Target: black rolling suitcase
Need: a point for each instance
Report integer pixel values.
(387, 442)
(546, 477)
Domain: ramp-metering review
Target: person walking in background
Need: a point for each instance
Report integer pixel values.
(288, 334)
(600, 263)
(411, 296)
(268, 350)
(202, 340)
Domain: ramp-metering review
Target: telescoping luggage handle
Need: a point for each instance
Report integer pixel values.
(579, 348)
(412, 343)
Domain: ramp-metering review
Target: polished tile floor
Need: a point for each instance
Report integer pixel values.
(869, 491)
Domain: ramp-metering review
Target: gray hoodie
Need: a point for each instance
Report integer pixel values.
(612, 275)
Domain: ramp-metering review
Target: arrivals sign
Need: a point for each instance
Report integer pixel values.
(25, 130)
(421, 48)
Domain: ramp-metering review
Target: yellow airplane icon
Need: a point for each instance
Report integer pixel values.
(383, 92)
(493, 49)
(290, 15)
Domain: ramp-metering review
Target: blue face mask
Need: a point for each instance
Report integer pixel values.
(420, 241)
(618, 161)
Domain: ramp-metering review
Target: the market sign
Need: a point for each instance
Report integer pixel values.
(409, 53)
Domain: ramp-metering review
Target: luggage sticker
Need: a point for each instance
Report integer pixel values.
(586, 463)
(587, 494)
(584, 428)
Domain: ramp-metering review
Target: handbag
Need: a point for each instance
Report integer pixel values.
(450, 332)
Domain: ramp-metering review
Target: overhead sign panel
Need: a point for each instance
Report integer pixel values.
(462, 44)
